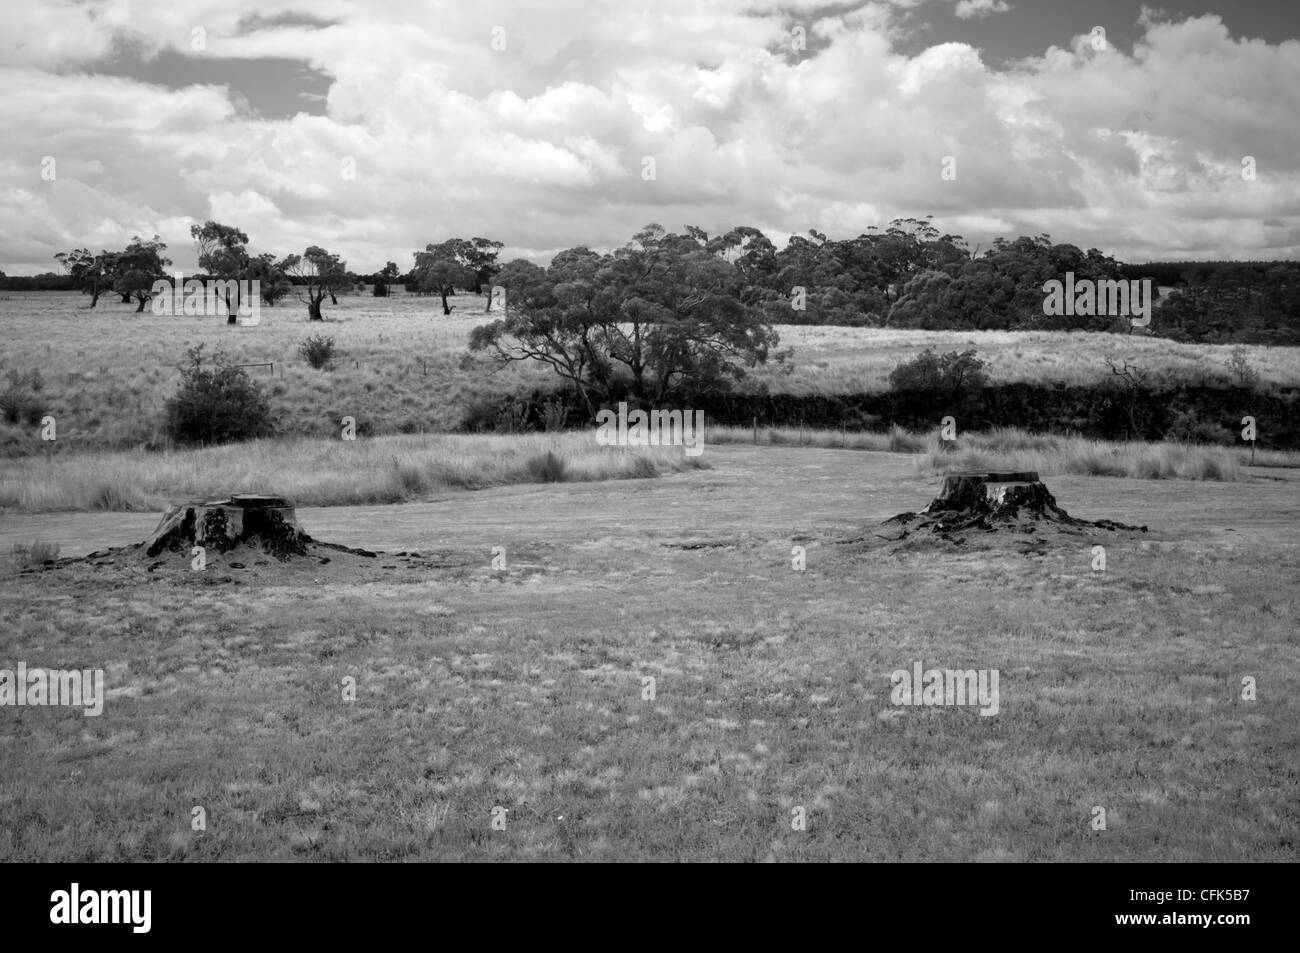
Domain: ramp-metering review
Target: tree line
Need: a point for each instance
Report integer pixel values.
(907, 275)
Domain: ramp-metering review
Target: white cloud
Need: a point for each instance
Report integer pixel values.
(966, 9)
(540, 144)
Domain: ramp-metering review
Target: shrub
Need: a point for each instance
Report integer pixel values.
(554, 415)
(318, 351)
(513, 418)
(1189, 428)
(217, 403)
(34, 553)
(939, 383)
(1239, 366)
(19, 402)
(900, 441)
(546, 467)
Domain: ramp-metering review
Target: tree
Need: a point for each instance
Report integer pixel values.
(385, 278)
(680, 329)
(272, 282)
(138, 267)
(320, 272)
(552, 317)
(661, 317)
(89, 272)
(948, 383)
(440, 269)
(223, 254)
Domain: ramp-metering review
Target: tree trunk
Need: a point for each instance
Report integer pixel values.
(94, 297)
(333, 300)
(126, 297)
(965, 488)
(221, 525)
(140, 306)
(446, 308)
(313, 311)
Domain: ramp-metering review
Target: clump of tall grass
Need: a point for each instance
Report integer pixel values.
(324, 472)
(1007, 449)
(546, 467)
(35, 553)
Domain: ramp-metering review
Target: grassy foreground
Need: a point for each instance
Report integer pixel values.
(526, 689)
(323, 472)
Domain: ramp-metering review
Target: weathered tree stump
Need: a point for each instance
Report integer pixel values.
(989, 500)
(246, 519)
(965, 488)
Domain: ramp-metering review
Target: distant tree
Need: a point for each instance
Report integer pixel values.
(660, 317)
(384, 278)
(320, 273)
(1131, 380)
(223, 254)
(89, 272)
(940, 383)
(439, 269)
(272, 283)
(553, 322)
(140, 265)
(679, 329)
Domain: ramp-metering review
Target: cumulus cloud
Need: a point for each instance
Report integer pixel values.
(534, 127)
(966, 9)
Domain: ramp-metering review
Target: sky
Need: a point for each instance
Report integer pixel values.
(375, 128)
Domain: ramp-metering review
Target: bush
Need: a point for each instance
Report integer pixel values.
(34, 554)
(1241, 370)
(513, 418)
(546, 467)
(939, 383)
(217, 403)
(19, 402)
(318, 351)
(1187, 427)
(554, 415)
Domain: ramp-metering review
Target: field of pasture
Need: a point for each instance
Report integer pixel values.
(647, 673)
(107, 372)
(648, 677)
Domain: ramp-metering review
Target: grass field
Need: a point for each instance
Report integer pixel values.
(525, 688)
(107, 372)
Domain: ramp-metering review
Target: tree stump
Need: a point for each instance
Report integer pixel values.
(965, 488)
(991, 500)
(245, 519)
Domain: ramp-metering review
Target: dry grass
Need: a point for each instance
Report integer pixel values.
(107, 372)
(524, 689)
(324, 472)
(838, 360)
(1007, 448)
(26, 554)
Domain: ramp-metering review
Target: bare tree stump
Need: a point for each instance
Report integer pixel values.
(965, 488)
(990, 500)
(246, 519)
